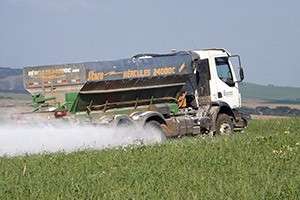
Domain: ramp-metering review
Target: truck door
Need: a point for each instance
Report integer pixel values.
(227, 87)
(202, 80)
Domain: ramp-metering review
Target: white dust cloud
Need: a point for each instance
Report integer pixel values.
(55, 137)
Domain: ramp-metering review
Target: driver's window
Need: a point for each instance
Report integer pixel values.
(223, 70)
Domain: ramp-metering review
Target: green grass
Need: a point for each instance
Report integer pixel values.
(262, 163)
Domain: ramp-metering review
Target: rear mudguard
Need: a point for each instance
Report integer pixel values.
(116, 120)
(143, 117)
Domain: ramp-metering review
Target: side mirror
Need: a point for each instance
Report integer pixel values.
(242, 74)
(235, 61)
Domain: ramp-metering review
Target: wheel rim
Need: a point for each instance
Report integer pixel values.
(225, 129)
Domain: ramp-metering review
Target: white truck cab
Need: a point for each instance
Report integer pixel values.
(224, 79)
(218, 74)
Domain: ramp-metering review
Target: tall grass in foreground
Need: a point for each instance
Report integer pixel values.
(262, 163)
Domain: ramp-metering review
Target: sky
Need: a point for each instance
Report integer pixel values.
(265, 33)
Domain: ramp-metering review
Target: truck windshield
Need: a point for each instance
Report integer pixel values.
(224, 71)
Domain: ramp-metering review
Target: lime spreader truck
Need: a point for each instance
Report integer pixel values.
(179, 93)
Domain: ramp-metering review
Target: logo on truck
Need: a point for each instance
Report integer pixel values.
(65, 75)
(160, 71)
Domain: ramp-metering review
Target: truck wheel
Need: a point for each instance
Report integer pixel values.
(224, 125)
(156, 127)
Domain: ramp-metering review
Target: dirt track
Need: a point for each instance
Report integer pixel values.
(268, 117)
(252, 103)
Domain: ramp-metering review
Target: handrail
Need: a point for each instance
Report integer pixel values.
(134, 103)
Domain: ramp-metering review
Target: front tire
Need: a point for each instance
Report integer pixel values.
(224, 125)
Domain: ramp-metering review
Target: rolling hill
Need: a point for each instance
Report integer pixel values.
(270, 92)
(11, 80)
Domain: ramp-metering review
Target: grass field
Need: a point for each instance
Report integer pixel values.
(261, 163)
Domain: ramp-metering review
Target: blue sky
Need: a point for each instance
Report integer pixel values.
(265, 33)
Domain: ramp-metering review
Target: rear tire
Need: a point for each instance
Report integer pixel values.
(224, 125)
(154, 126)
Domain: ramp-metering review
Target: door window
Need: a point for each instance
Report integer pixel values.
(224, 71)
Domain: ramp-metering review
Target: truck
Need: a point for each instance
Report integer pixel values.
(179, 93)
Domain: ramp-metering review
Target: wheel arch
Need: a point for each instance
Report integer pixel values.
(144, 117)
(122, 119)
(220, 107)
(157, 118)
